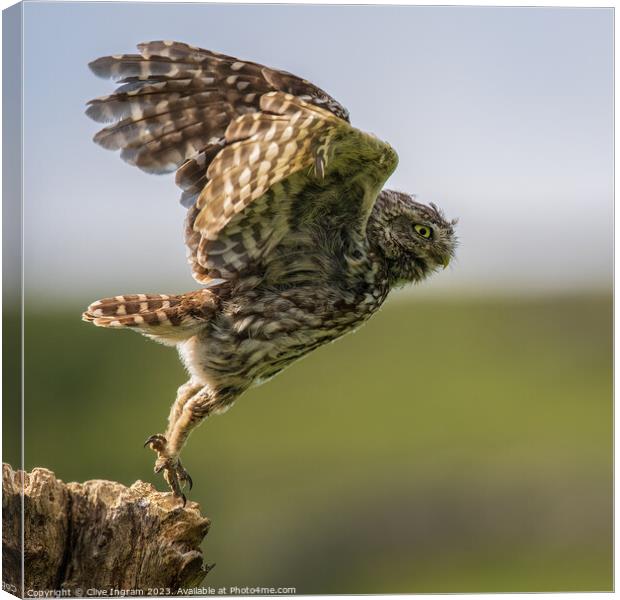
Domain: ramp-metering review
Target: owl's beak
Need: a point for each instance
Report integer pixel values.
(446, 260)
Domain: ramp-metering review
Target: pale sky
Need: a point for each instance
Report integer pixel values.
(502, 116)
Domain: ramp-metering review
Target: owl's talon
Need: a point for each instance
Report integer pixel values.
(184, 476)
(156, 442)
(174, 473)
(176, 477)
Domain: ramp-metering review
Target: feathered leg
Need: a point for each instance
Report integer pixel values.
(159, 442)
(184, 393)
(194, 403)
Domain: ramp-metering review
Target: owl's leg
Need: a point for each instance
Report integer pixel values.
(188, 411)
(159, 442)
(184, 393)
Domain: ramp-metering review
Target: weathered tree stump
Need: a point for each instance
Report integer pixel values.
(97, 538)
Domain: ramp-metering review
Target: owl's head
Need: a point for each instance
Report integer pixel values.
(415, 239)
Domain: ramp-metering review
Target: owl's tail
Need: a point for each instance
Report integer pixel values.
(168, 318)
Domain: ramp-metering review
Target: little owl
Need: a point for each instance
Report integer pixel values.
(287, 228)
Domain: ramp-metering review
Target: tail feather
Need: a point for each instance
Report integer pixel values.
(170, 318)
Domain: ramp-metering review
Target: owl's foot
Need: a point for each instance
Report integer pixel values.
(174, 473)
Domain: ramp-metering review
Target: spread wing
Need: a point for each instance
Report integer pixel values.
(254, 148)
(289, 167)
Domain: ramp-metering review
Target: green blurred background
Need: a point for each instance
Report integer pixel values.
(449, 445)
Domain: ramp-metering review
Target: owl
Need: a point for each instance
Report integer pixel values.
(288, 229)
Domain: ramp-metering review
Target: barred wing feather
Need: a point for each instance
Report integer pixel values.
(249, 145)
(272, 158)
(176, 100)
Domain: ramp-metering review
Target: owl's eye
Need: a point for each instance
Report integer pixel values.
(424, 231)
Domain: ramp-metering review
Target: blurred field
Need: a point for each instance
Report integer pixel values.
(447, 446)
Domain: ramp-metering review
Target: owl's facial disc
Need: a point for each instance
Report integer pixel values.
(417, 240)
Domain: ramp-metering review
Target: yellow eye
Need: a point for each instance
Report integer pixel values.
(423, 230)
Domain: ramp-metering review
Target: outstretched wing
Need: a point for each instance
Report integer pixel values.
(175, 102)
(254, 148)
(285, 170)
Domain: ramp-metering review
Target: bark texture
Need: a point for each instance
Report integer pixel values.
(98, 535)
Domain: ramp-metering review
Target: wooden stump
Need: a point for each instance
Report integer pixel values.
(98, 537)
